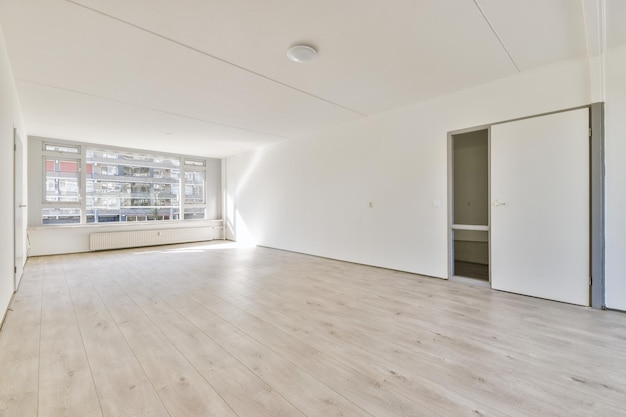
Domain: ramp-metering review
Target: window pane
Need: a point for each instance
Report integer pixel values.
(194, 187)
(60, 215)
(195, 162)
(194, 213)
(127, 187)
(60, 148)
(62, 181)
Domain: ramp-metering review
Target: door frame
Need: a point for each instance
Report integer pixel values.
(597, 184)
(597, 292)
(450, 229)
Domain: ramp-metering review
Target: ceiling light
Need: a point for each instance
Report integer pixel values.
(301, 53)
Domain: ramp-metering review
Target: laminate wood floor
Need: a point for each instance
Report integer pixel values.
(214, 330)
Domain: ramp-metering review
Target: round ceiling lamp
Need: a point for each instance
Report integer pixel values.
(301, 53)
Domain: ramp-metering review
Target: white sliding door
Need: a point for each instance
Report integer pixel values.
(540, 206)
(19, 213)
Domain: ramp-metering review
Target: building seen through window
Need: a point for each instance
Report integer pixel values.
(122, 186)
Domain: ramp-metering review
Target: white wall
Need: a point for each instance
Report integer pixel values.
(10, 116)
(311, 194)
(615, 138)
(55, 240)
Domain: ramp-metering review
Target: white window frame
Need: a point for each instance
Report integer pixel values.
(192, 168)
(61, 156)
(197, 164)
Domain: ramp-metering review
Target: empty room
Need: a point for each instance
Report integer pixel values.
(312, 208)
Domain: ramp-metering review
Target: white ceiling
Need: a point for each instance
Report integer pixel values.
(211, 78)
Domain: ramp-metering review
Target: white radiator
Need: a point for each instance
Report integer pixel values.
(137, 238)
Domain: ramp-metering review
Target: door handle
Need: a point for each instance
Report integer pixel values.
(22, 206)
(498, 203)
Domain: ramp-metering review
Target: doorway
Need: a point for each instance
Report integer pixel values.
(542, 226)
(469, 226)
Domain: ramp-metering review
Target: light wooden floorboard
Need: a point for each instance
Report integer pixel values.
(65, 384)
(214, 330)
(122, 385)
(19, 349)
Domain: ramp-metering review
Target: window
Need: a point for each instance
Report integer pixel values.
(124, 186)
(61, 194)
(195, 162)
(194, 187)
(95, 185)
(62, 178)
(194, 213)
(60, 148)
(60, 215)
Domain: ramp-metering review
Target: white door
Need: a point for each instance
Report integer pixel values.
(540, 207)
(19, 209)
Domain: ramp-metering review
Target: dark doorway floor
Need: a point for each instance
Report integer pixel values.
(471, 270)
